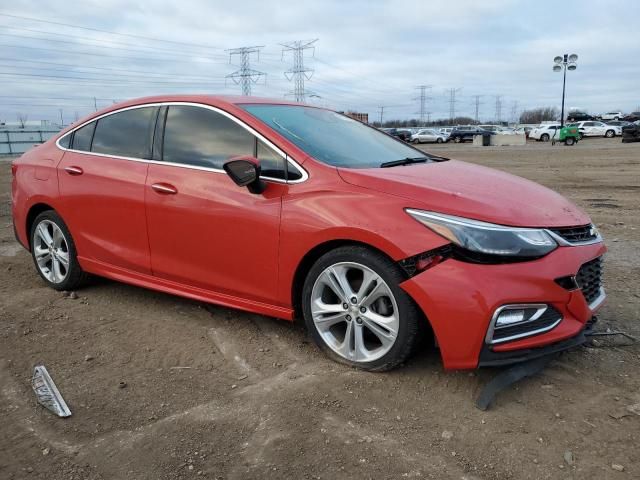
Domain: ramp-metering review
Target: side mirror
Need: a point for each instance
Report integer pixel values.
(245, 172)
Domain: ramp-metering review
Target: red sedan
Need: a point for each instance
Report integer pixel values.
(289, 210)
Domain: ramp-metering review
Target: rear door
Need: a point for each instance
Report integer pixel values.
(102, 180)
(204, 230)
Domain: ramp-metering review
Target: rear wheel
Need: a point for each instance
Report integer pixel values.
(544, 137)
(610, 134)
(439, 140)
(356, 312)
(54, 253)
(569, 141)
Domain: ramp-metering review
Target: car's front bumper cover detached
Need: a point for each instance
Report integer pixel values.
(485, 315)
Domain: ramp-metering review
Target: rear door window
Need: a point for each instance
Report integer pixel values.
(82, 137)
(125, 134)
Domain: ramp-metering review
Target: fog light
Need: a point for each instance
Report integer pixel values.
(509, 317)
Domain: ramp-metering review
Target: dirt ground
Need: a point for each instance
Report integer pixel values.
(222, 394)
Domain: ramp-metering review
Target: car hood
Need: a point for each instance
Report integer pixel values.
(472, 191)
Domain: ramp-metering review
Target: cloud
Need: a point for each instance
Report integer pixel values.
(368, 54)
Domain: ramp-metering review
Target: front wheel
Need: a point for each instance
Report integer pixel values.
(439, 140)
(610, 134)
(416, 141)
(356, 312)
(457, 139)
(54, 253)
(544, 137)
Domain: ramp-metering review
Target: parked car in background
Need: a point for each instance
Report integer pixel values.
(631, 132)
(401, 133)
(597, 129)
(632, 117)
(446, 131)
(429, 136)
(579, 117)
(618, 123)
(545, 132)
(524, 131)
(294, 211)
(466, 133)
(611, 116)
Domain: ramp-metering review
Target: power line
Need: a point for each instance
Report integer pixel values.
(245, 76)
(298, 73)
(452, 102)
(499, 108)
(130, 35)
(477, 104)
(423, 100)
(94, 54)
(98, 44)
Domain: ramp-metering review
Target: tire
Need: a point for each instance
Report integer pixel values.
(580, 135)
(401, 329)
(416, 141)
(439, 140)
(544, 137)
(610, 134)
(45, 259)
(457, 139)
(569, 141)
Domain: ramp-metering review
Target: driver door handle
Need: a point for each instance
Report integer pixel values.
(73, 170)
(164, 188)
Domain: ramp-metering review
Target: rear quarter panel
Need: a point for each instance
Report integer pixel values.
(35, 181)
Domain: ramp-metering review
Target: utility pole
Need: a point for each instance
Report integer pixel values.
(423, 101)
(298, 73)
(381, 114)
(95, 104)
(245, 76)
(499, 108)
(61, 118)
(477, 104)
(452, 102)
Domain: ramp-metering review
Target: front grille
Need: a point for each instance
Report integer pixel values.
(547, 319)
(589, 279)
(581, 234)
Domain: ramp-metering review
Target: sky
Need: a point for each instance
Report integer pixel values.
(368, 54)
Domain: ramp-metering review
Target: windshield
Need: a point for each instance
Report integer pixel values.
(333, 138)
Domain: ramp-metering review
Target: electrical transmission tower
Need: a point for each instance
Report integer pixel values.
(298, 73)
(245, 76)
(452, 102)
(423, 101)
(477, 103)
(499, 108)
(514, 111)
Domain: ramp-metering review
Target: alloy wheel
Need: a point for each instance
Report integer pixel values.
(51, 251)
(355, 312)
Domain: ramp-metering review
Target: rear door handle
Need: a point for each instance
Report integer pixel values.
(164, 188)
(73, 170)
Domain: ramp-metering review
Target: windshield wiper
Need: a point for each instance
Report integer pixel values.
(404, 161)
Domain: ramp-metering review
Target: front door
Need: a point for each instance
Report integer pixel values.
(204, 230)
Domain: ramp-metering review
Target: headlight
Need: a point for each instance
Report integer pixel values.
(487, 238)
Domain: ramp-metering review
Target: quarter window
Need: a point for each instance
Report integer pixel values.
(82, 137)
(125, 134)
(271, 163)
(202, 137)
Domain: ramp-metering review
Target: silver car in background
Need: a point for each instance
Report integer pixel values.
(429, 136)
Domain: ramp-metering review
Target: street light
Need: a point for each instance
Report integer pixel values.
(564, 63)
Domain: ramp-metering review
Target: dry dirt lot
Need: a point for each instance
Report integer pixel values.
(222, 394)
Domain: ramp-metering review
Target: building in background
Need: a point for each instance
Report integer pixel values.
(361, 117)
